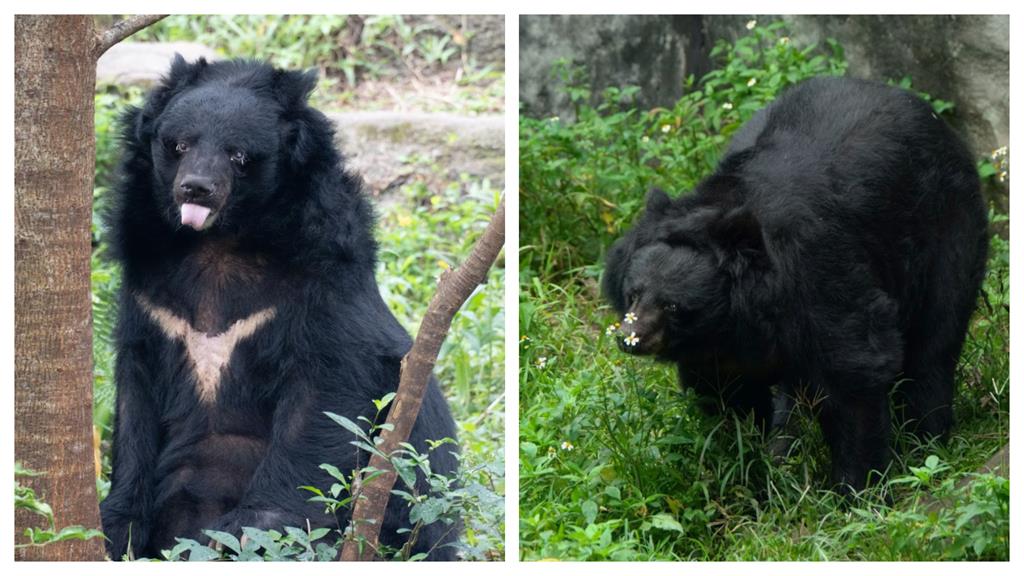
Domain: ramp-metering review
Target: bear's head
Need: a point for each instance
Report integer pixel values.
(673, 275)
(222, 138)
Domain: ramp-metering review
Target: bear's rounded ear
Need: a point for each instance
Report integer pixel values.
(292, 88)
(738, 230)
(181, 75)
(306, 132)
(657, 201)
(308, 139)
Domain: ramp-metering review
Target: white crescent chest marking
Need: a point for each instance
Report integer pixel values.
(208, 354)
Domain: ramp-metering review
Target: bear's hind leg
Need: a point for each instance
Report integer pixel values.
(856, 425)
(924, 397)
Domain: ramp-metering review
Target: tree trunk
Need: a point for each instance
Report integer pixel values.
(55, 73)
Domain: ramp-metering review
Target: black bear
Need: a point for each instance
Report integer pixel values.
(837, 250)
(248, 308)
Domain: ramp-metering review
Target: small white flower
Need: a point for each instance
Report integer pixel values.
(751, 24)
(784, 40)
(542, 361)
(629, 318)
(727, 106)
(751, 82)
(645, 139)
(554, 118)
(631, 340)
(611, 329)
(666, 128)
(567, 446)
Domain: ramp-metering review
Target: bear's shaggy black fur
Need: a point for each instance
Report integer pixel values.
(248, 308)
(838, 250)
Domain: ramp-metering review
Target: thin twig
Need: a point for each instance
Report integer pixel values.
(121, 30)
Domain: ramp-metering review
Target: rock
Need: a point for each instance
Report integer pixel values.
(999, 463)
(390, 149)
(144, 63)
(654, 53)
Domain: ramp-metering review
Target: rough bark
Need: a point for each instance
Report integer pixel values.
(54, 157)
(453, 290)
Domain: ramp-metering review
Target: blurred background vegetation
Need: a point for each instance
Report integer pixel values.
(425, 225)
(423, 62)
(616, 463)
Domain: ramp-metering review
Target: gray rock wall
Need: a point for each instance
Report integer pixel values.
(653, 52)
(964, 59)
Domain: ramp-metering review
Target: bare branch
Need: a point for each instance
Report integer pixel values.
(453, 290)
(121, 30)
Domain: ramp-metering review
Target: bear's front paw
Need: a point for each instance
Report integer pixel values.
(262, 519)
(126, 534)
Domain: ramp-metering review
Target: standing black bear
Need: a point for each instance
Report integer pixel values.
(838, 249)
(248, 308)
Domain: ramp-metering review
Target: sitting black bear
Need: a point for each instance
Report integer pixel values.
(248, 308)
(837, 250)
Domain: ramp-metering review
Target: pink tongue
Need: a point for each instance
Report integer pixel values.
(194, 215)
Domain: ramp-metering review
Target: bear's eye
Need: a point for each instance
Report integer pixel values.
(181, 147)
(671, 308)
(239, 158)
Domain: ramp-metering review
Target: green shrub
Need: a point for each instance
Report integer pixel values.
(582, 181)
(25, 498)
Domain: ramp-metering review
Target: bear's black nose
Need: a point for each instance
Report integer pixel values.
(194, 186)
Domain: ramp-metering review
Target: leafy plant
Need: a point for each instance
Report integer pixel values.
(941, 107)
(583, 181)
(25, 499)
(294, 545)
(448, 500)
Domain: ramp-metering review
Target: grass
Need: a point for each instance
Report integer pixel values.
(422, 228)
(616, 462)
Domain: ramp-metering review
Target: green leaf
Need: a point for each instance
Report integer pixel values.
(428, 512)
(318, 533)
(77, 533)
(312, 489)
(665, 521)
(226, 539)
(383, 402)
(334, 472)
(589, 509)
(266, 539)
(348, 425)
